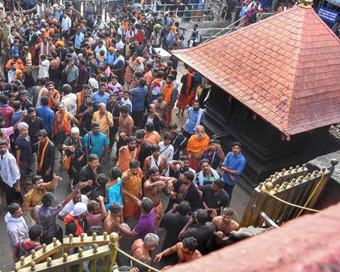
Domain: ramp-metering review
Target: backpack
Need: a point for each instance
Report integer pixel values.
(24, 252)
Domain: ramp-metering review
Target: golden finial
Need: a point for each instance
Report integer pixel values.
(65, 255)
(306, 3)
(70, 237)
(22, 260)
(105, 235)
(44, 247)
(80, 252)
(95, 248)
(268, 186)
(49, 261)
(33, 253)
(32, 266)
(82, 237)
(94, 236)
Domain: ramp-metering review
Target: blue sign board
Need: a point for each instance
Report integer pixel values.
(328, 15)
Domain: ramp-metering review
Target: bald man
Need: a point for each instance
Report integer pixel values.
(104, 118)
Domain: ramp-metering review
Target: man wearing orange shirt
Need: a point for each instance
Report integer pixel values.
(151, 136)
(132, 183)
(197, 144)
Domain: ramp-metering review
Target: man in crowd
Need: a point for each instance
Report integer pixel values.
(45, 156)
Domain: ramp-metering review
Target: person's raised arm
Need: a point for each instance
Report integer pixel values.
(185, 228)
(79, 186)
(132, 197)
(55, 180)
(102, 207)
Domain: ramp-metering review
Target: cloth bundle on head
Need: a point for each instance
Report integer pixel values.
(59, 43)
(93, 82)
(78, 209)
(74, 130)
(22, 125)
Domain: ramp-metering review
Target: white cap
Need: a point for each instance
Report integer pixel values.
(78, 209)
(74, 130)
(21, 125)
(93, 82)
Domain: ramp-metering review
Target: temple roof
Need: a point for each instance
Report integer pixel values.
(285, 68)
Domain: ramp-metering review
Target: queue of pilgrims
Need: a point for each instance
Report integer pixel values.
(103, 94)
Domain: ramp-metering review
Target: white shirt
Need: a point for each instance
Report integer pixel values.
(65, 24)
(9, 170)
(69, 206)
(167, 152)
(70, 102)
(119, 45)
(43, 68)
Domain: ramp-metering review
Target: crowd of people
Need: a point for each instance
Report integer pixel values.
(103, 93)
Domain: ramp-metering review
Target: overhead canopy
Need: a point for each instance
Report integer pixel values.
(285, 68)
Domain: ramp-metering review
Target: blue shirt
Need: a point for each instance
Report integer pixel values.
(14, 50)
(114, 194)
(192, 120)
(138, 98)
(47, 115)
(98, 142)
(15, 117)
(235, 164)
(97, 98)
(78, 40)
(110, 58)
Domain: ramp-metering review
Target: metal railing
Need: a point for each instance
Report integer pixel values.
(57, 256)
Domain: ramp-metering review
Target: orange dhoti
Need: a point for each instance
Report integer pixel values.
(158, 210)
(131, 209)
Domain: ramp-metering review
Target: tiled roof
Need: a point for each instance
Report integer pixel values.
(285, 68)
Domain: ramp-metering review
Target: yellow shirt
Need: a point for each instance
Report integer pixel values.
(133, 185)
(33, 197)
(103, 124)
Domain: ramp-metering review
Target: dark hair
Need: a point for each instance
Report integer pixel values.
(42, 133)
(184, 158)
(134, 164)
(93, 157)
(44, 101)
(160, 74)
(95, 124)
(140, 133)
(101, 84)
(228, 211)
(115, 173)
(3, 142)
(190, 243)
(13, 207)
(130, 139)
(219, 183)
(205, 160)
(189, 175)
(66, 89)
(183, 208)
(3, 99)
(16, 105)
(115, 207)
(47, 199)
(167, 136)
(236, 143)
(153, 170)
(36, 178)
(149, 127)
(154, 148)
(124, 109)
(102, 180)
(35, 232)
(31, 109)
(201, 216)
(147, 204)
(173, 126)
(91, 205)
(142, 82)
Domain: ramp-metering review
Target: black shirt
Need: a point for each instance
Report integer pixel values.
(79, 147)
(48, 156)
(179, 143)
(24, 146)
(87, 118)
(86, 174)
(34, 127)
(115, 110)
(214, 201)
(173, 223)
(202, 235)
